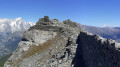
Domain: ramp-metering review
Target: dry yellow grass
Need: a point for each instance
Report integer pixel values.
(35, 49)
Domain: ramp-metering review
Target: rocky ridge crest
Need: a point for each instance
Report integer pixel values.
(48, 43)
(51, 43)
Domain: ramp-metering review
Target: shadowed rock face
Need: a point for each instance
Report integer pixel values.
(92, 52)
(78, 60)
(63, 44)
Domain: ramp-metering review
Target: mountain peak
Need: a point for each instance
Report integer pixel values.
(13, 25)
(18, 19)
(108, 26)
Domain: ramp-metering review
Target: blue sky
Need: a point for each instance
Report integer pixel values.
(89, 12)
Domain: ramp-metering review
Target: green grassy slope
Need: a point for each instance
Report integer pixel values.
(4, 59)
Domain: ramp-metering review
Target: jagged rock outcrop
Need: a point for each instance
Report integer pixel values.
(51, 43)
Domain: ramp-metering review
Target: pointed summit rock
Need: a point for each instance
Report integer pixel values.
(46, 19)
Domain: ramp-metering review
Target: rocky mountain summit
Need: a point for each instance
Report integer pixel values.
(51, 43)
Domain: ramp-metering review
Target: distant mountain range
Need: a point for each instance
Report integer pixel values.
(11, 31)
(14, 25)
(106, 32)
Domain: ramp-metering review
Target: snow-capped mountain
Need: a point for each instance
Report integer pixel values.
(108, 26)
(11, 31)
(13, 25)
